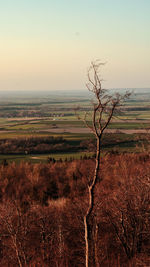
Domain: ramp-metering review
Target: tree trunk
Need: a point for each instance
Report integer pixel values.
(96, 246)
(16, 250)
(86, 242)
(91, 258)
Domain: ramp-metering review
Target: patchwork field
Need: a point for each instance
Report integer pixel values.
(26, 117)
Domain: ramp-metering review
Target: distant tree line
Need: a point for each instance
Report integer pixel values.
(38, 145)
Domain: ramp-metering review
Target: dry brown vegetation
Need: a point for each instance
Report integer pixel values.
(42, 208)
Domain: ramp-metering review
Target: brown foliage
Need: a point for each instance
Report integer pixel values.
(42, 208)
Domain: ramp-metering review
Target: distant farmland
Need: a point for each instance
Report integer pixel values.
(54, 116)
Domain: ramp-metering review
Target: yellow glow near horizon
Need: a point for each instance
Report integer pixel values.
(50, 45)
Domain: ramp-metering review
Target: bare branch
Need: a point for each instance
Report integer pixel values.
(104, 107)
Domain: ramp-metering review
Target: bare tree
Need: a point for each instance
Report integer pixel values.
(13, 231)
(104, 106)
(129, 216)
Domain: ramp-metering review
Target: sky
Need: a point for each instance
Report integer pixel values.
(49, 45)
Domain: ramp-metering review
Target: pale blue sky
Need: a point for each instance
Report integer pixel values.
(50, 44)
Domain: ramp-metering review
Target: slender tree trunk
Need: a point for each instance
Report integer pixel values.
(86, 242)
(16, 250)
(97, 164)
(90, 238)
(118, 260)
(96, 246)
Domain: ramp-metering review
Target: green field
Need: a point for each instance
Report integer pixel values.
(43, 158)
(31, 117)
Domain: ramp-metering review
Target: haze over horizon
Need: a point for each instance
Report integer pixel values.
(48, 45)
